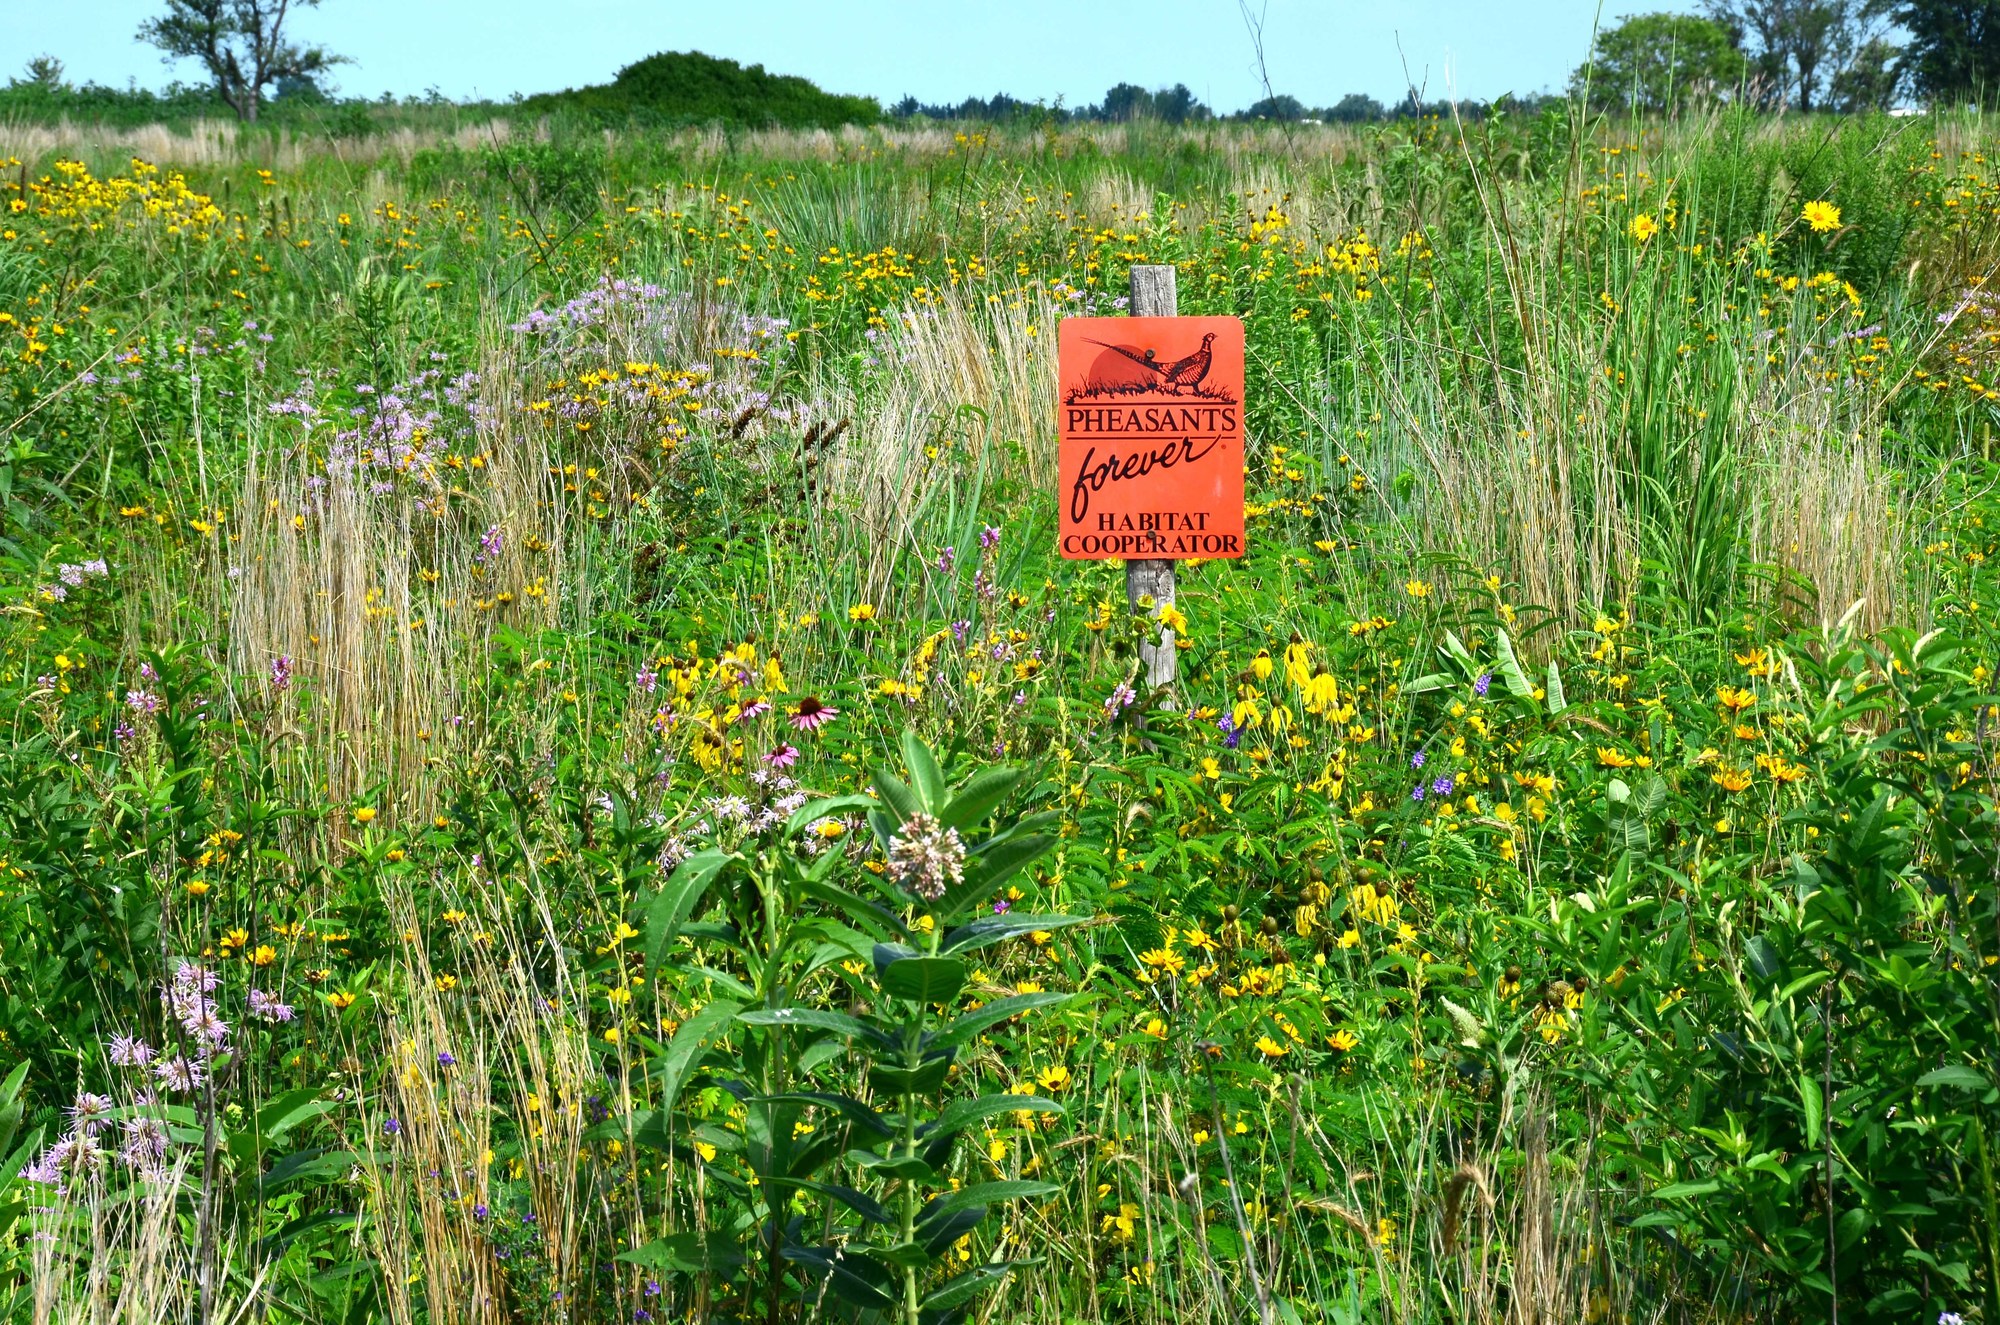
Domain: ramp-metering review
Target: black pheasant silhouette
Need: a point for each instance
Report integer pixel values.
(1180, 375)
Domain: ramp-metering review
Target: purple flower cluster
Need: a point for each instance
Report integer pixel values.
(79, 1158)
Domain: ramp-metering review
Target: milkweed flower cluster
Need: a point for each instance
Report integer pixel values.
(926, 858)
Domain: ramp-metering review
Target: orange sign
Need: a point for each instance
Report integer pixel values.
(1152, 437)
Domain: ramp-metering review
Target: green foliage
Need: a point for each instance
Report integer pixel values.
(556, 660)
(687, 87)
(853, 1206)
(1953, 54)
(1660, 62)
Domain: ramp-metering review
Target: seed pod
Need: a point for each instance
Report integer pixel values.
(1269, 925)
(1230, 913)
(1513, 975)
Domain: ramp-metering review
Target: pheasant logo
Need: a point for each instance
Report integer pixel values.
(1145, 370)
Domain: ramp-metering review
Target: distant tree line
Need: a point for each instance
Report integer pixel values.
(1805, 55)
(1177, 105)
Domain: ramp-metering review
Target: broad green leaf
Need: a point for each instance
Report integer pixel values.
(1557, 702)
(289, 1110)
(926, 778)
(961, 1114)
(1957, 1074)
(677, 899)
(1809, 1100)
(960, 1289)
(845, 1105)
(860, 1203)
(691, 1038)
(853, 1275)
(993, 1193)
(1423, 685)
(996, 862)
(837, 1022)
(1518, 684)
(689, 1253)
(896, 794)
(978, 797)
(989, 930)
(924, 979)
(1682, 1190)
(828, 807)
(1455, 648)
(976, 1022)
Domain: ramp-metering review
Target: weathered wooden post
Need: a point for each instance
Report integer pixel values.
(1154, 295)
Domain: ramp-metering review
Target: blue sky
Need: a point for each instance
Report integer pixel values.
(1316, 50)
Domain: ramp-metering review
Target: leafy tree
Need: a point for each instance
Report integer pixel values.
(1870, 80)
(1656, 62)
(1127, 101)
(43, 71)
(1175, 105)
(1354, 108)
(1280, 107)
(1799, 48)
(689, 87)
(242, 45)
(1954, 49)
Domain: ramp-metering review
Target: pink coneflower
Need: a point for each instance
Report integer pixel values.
(752, 708)
(783, 757)
(813, 713)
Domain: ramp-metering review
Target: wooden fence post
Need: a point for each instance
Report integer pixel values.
(1154, 295)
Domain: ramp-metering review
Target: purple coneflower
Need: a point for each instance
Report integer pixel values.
(783, 757)
(813, 713)
(752, 708)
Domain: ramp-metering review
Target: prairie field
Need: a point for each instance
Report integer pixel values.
(554, 771)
